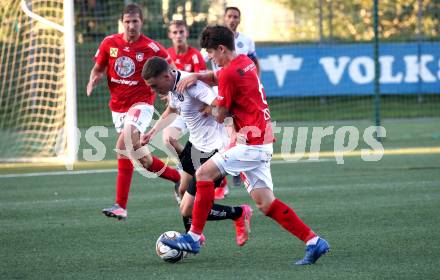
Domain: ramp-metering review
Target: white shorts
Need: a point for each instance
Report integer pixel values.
(139, 115)
(252, 161)
(179, 123)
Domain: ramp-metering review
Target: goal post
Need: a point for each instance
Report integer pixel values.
(37, 81)
(71, 121)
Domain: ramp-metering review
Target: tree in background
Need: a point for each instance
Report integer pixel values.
(95, 18)
(352, 20)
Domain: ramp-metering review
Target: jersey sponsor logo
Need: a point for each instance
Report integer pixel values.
(124, 66)
(240, 45)
(243, 71)
(139, 56)
(249, 67)
(154, 47)
(124, 82)
(114, 52)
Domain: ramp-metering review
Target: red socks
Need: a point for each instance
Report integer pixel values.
(223, 183)
(125, 173)
(123, 181)
(166, 172)
(202, 205)
(287, 218)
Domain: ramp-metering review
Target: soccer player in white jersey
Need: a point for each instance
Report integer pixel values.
(206, 138)
(189, 59)
(186, 58)
(243, 44)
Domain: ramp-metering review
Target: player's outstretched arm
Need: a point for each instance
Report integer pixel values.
(208, 77)
(95, 76)
(165, 119)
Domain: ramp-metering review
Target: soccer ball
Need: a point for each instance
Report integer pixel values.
(166, 253)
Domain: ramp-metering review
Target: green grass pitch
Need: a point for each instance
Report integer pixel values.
(381, 219)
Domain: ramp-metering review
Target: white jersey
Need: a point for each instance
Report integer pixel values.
(243, 45)
(205, 133)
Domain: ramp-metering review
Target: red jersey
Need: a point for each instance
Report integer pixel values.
(124, 62)
(242, 94)
(191, 61)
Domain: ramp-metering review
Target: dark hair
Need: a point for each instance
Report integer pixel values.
(234, 9)
(216, 35)
(132, 9)
(154, 67)
(178, 23)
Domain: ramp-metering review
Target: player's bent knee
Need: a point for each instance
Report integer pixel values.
(204, 174)
(120, 145)
(263, 199)
(201, 174)
(182, 191)
(263, 207)
(173, 143)
(145, 159)
(169, 136)
(166, 138)
(137, 145)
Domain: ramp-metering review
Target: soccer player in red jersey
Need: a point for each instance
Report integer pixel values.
(185, 57)
(121, 57)
(242, 96)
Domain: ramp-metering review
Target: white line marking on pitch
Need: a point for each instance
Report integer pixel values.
(96, 171)
(54, 173)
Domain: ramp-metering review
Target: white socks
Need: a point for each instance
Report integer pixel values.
(195, 236)
(312, 241)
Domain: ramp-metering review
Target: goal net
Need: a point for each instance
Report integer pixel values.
(37, 89)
